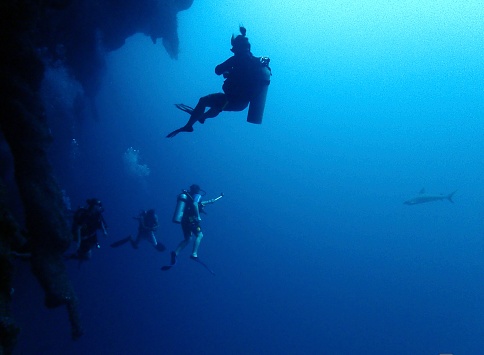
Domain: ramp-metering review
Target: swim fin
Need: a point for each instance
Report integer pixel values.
(121, 242)
(184, 108)
(194, 258)
(182, 129)
(160, 247)
(173, 262)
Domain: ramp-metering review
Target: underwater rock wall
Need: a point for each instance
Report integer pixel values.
(36, 34)
(80, 33)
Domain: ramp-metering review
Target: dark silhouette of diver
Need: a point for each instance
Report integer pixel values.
(86, 222)
(242, 82)
(147, 225)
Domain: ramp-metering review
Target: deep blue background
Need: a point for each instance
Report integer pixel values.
(313, 249)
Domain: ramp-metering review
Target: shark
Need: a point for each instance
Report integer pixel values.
(423, 197)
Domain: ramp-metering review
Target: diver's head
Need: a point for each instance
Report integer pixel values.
(150, 212)
(240, 44)
(194, 189)
(94, 203)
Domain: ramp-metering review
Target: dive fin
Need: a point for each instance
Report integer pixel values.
(160, 247)
(184, 108)
(121, 242)
(203, 264)
(173, 262)
(182, 129)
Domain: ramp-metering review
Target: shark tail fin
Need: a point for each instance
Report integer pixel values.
(449, 197)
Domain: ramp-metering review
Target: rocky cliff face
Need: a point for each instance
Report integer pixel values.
(74, 34)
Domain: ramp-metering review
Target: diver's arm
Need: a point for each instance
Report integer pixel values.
(224, 67)
(197, 211)
(104, 227)
(213, 200)
(196, 200)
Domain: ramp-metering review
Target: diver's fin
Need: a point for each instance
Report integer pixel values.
(173, 134)
(184, 108)
(182, 129)
(121, 242)
(173, 262)
(160, 247)
(194, 258)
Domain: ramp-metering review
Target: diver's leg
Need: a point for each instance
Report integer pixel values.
(187, 234)
(84, 253)
(181, 246)
(216, 104)
(158, 246)
(134, 243)
(211, 113)
(196, 113)
(199, 110)
(188, 127)
(236, 104)
(151, 238)
(196, 244)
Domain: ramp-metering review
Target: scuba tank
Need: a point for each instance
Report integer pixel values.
(181, 202)
(258, 101)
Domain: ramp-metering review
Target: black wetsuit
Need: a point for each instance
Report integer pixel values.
(89, 222)
(148, 223)
(239, 82)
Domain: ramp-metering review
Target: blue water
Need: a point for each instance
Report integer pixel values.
(313, 249)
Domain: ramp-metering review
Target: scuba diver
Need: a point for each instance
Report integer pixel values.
(147, 225)
(246, 82)
(86, 222)
(187, 213)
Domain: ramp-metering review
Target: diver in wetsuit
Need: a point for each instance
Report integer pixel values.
(86, 222)
(190, 223)
(242, 83)
(147, 225)
(187, 213)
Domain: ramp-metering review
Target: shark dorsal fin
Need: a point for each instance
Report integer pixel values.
(422, 191)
